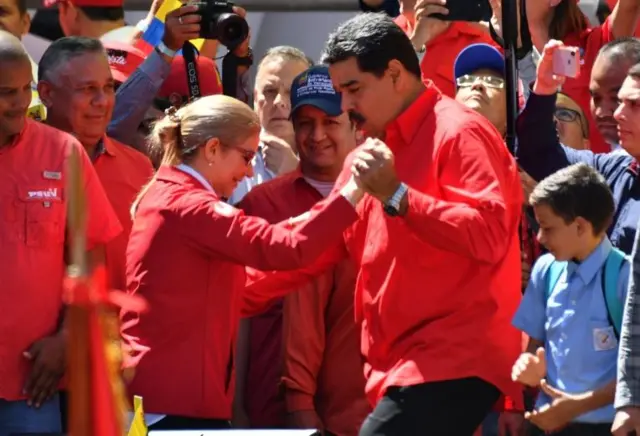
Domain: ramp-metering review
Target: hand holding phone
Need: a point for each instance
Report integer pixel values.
(566, 62)
(548, 78)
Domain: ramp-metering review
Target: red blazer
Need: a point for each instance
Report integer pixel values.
(186, 256)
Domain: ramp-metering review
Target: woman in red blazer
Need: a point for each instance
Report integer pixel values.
(187, 254)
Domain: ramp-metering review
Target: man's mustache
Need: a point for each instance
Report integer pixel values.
(356, 117)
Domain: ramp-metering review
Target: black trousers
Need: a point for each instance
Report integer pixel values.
(172, 422)
(446, 408)
(574, 430)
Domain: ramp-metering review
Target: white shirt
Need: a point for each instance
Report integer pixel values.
(324, 188)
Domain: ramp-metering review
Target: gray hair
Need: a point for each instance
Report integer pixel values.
(286, 53)
(11, 49)
(61, 51)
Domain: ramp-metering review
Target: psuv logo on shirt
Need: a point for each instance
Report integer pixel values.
(47, 194)
(582, 56)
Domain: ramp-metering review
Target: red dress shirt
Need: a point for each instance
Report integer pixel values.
(186, 257)
(123, 172)
(438, 287)
(33, 217)
(322, 365)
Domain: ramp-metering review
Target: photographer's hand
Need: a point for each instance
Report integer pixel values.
(210, 46)
(243, 49)
(180, 26)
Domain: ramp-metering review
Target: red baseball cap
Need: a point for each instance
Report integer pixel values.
(176, 82)
(124, 59)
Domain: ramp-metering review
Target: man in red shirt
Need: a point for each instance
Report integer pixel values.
(437, 244)
(77, 87)
(33, 176)
(322, 367)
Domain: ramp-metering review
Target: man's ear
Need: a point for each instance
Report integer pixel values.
(253, 98)
(26, 24)
(394, 70)
(67, 16)
(45, 93)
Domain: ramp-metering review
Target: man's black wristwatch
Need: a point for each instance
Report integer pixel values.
(392, 205)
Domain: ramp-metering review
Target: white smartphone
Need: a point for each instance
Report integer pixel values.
(566, 62)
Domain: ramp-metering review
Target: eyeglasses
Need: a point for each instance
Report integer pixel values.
(247, 155)
(489, 81)
(570, 116)
(566, 115)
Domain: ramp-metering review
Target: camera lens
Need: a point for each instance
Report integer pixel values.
(573, 54)
(232, 29)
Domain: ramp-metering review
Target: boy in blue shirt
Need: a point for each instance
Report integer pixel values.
(572, 307)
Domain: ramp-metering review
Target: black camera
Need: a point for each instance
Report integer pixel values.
(218, 21)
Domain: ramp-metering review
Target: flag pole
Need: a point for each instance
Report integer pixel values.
(97, 397)
(77, 317)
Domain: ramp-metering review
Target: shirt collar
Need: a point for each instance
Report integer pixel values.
(296, 176)
(408, 122)
(260, 165)
(17, 139)
(196, 175)
(104, 146)
(588, 268)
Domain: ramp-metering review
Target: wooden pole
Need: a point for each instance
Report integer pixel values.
(79, 365)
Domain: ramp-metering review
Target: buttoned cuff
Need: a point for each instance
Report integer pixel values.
(155, 68)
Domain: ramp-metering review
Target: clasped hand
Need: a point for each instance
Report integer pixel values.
(373, 168)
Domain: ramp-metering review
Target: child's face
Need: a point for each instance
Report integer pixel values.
(563, 240)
